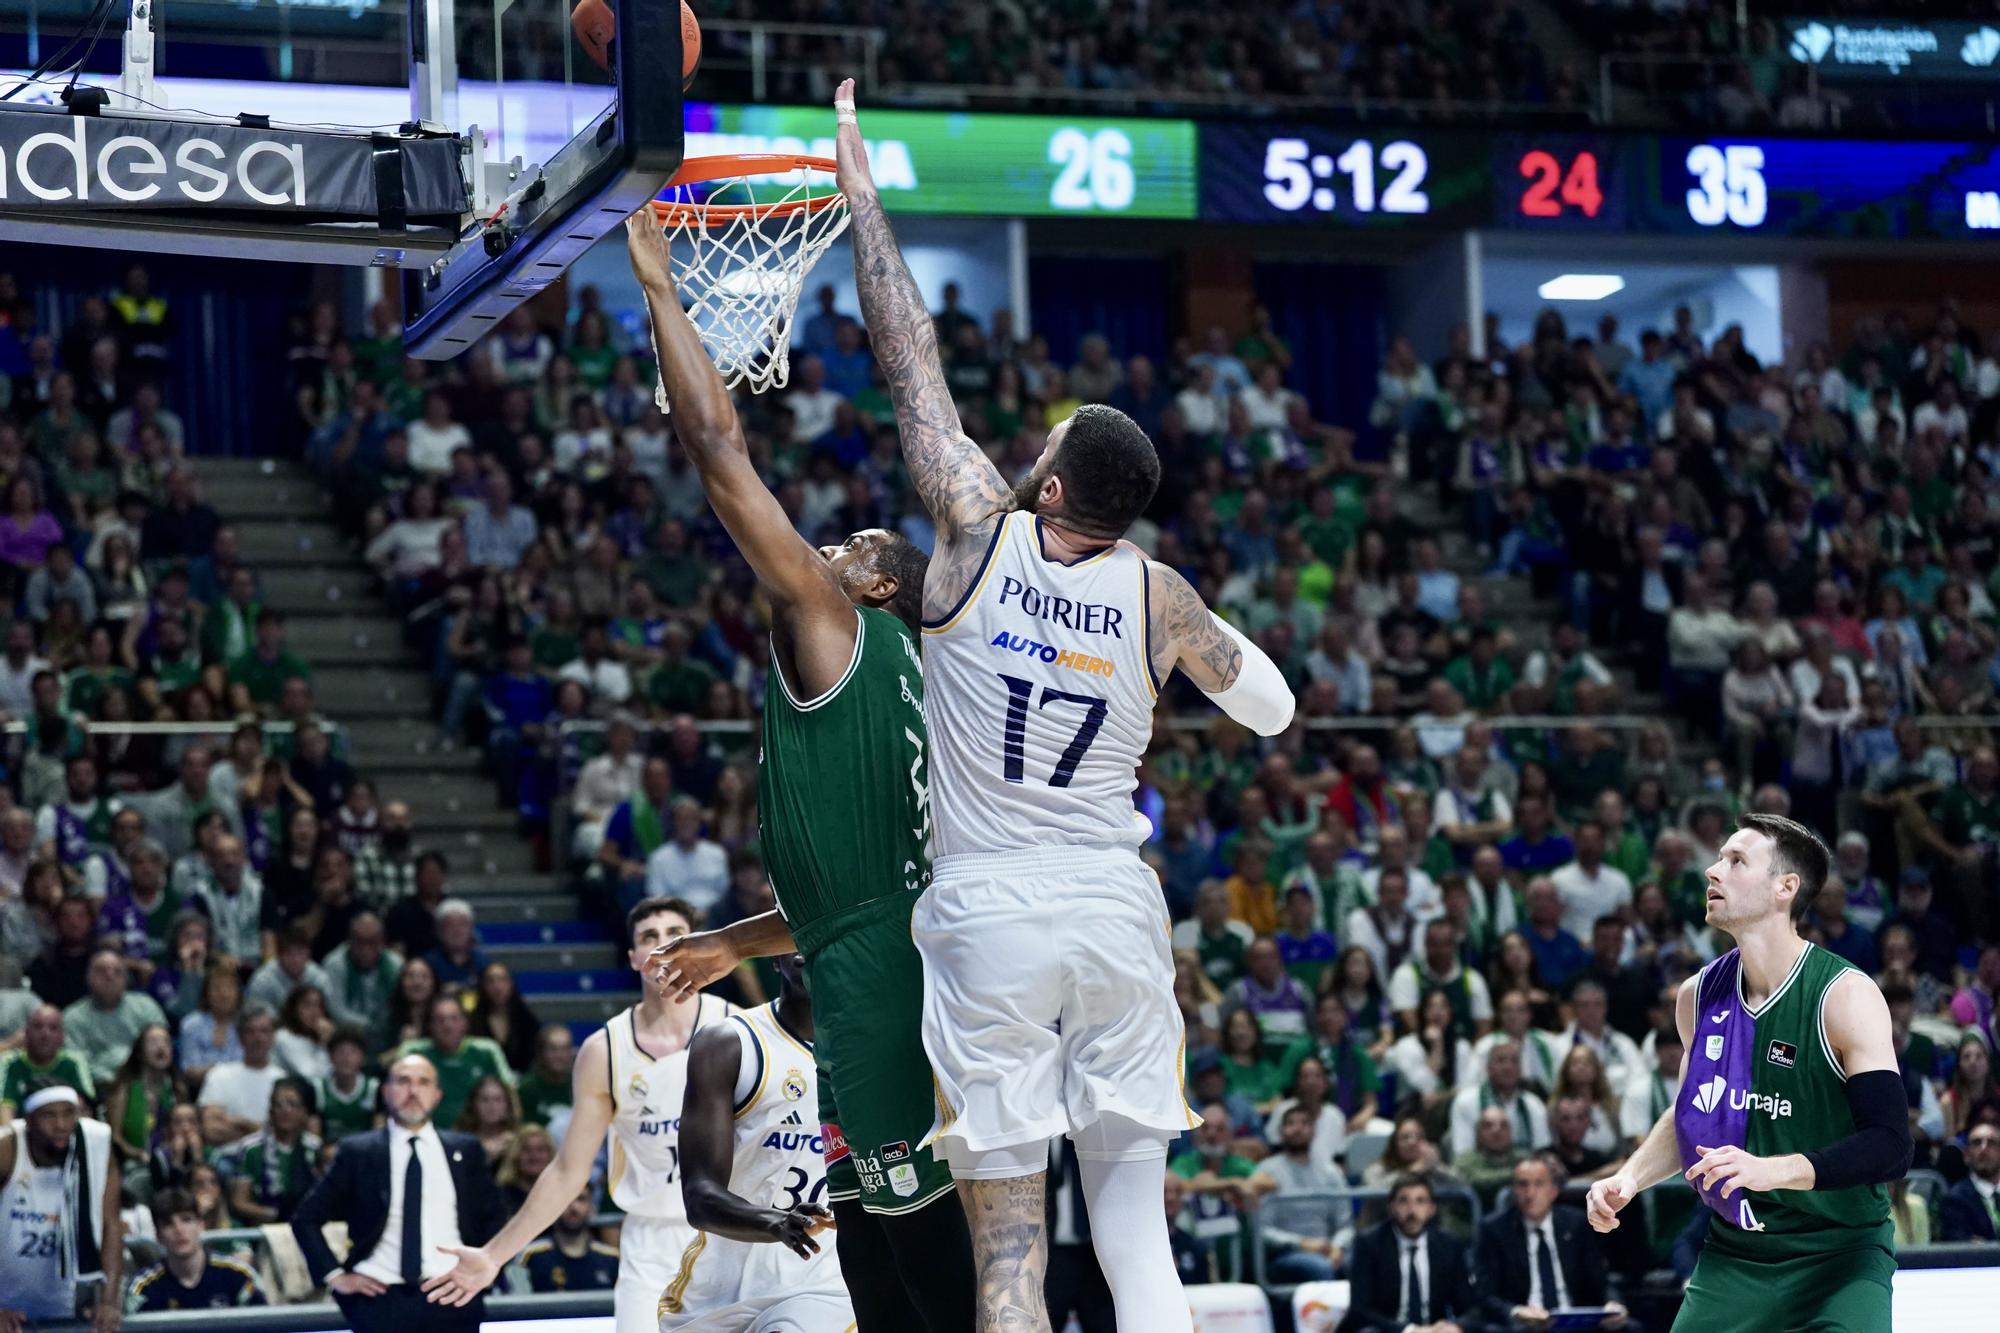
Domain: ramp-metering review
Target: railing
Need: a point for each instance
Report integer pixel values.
(740, 46)
(1165, 102)
(325, 1315)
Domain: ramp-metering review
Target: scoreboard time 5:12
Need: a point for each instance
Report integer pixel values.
(1347, 177)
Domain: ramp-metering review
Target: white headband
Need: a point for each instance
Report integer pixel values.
(60, 1095)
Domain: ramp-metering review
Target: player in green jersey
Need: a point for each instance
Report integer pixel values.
(1791, 1117)
(843, 803)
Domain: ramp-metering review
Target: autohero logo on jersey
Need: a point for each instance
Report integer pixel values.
(1710, 1095)
(87, 160)
(791, 1136)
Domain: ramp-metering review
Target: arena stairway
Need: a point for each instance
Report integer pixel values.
(377, 690)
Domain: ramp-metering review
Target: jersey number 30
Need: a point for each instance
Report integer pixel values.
(1014, 739)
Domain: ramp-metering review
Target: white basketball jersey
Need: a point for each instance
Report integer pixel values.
(1039, 694)
(646, 1116)
(780, 1159)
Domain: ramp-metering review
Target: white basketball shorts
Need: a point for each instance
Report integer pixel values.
(649, 1260)
(733, 1286)
(1048, 998)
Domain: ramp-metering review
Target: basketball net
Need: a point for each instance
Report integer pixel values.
(740, 268)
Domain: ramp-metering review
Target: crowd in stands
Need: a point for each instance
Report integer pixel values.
(1437, 926)
(1451, 58)
(214, 935)
(1446, 914)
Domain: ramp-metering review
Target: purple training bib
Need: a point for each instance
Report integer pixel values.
(1720, 1061)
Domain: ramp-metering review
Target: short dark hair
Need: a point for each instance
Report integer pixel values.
(1795, 850)
(1668, 1034)
(1412, 1180)
(171, 1203)
(904, 561)
(298, 1085)
(1898, 992)
(646, 907)
(1109, 471)
(348, 1035)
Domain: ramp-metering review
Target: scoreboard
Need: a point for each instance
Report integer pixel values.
(1584, 182)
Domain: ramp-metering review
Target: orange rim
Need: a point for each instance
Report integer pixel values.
(698, 170)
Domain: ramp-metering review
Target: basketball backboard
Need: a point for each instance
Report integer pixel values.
(507, 156)
(558, 151)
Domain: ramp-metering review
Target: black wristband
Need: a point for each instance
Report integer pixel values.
(1879, 1149)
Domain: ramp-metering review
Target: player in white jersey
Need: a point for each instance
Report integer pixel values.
(1048, 983)
(627, 1083)
(754, 1179)
(59, 1223)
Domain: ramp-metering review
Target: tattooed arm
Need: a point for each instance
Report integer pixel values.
(1182, 633)
(963, 492)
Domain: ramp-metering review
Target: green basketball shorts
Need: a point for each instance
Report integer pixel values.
(876, 1096)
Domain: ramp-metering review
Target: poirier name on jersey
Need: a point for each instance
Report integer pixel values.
(1041, 699)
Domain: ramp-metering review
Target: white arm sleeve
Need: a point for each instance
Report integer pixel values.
(1259, 699)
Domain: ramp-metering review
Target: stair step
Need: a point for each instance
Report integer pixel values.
(285, 535)
(493, 934)
(305, 589)
(558, 912)
(588, 959)
(252, 498)
(585, 1013)
(587, 981)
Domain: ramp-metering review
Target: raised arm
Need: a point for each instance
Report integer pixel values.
(555, 1188)
(960, 487)
(805, 594)
(708, 1155)
(1183, 635)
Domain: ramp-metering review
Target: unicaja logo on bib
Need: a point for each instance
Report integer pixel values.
(1709, 1094)
(1778, 1108)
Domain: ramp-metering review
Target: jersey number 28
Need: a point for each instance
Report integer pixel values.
(1014, 738)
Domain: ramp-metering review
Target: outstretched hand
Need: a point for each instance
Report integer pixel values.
(1606, 1197)
(646, 243)
(473, 1273)
(688, 963)
(852, 175)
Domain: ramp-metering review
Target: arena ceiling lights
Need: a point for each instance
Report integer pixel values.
(1581, 287)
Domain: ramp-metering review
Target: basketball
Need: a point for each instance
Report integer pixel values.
(594, 25)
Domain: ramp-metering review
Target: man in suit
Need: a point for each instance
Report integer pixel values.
(1407, 1276)
(1971, 1208)
(1538, 1258)
(405, 1190)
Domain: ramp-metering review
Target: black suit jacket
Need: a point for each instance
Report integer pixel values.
(1962, 1214)
(1375, 1272)
(356, 1188)
(1503, 1262)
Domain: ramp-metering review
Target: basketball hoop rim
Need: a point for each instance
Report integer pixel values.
(697, 170)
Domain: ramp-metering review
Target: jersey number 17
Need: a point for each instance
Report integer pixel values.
(1013, 741)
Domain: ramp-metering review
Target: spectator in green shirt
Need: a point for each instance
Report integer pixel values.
(1220, 1183)
(1480, 674)
(257, 678)
(461, 1060)
(679, 683)
(545, 1089)
(675, 574)
(348, 1098)
(41, 1055)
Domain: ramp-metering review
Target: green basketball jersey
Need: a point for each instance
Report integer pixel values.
(1800, 1103)
(843, 787)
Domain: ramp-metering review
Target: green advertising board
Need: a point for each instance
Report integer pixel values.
(980, 164)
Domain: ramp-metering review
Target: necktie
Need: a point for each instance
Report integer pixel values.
(1413, 1305)
(413, 1218)
(1545, 1262)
